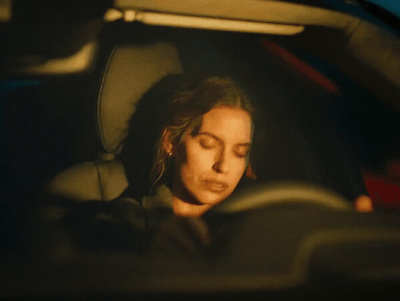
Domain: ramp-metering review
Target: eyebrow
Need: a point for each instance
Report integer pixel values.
(217, 138)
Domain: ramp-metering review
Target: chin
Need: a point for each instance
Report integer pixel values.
(211, 199)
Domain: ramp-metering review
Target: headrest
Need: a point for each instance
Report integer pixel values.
(131, 71)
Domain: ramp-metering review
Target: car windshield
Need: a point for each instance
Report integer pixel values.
(317, 202)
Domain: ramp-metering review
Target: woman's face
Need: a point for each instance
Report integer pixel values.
(210, 162)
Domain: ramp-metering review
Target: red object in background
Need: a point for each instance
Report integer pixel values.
(301, 66)
(384, 190)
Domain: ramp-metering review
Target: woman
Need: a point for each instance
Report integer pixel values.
(187, 149)
(202, 133)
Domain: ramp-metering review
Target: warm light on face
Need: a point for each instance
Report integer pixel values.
(210, 162)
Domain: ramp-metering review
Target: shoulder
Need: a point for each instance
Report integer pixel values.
(160, 199)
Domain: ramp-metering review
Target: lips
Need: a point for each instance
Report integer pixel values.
(215, 186)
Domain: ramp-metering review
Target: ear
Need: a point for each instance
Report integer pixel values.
(167, 143)
(250, 173)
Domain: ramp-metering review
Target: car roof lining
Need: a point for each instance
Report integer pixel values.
(366, 41)
(360, 33)
(250, 10)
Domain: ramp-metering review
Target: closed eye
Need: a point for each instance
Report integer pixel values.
(208, 142)
(241, 151)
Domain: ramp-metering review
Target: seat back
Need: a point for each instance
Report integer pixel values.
(130, 72)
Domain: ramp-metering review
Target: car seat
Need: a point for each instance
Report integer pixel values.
(130, 72)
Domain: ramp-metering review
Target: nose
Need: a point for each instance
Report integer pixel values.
(221, 164)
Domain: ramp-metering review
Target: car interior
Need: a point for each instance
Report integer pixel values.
(326, 132)
(121, 88)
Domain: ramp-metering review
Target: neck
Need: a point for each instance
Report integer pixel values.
(182, 208)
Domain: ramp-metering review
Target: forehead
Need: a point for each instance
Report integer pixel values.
(227, 121)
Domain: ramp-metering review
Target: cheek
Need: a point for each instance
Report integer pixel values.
(192, 162)
(198, 158)
(198, 162)
(238, 170)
